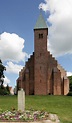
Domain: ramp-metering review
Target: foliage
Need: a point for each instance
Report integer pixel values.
(60, 105)
(4, 90)
(69, 94)
(2, 68)
(70, 79)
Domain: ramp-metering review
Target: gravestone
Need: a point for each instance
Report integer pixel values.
(21, 100)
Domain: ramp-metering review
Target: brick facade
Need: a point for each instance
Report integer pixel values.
(42, 75)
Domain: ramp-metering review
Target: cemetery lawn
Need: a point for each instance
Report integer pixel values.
(60, 105)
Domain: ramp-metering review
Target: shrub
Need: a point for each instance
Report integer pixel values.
(3, 90)
(70, 85)
(69, 94)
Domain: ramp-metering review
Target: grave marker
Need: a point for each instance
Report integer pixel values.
(21, 100)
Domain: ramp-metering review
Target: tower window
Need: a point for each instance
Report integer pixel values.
(40, 54)
(40, 35)
(40, 67)
(40, 81)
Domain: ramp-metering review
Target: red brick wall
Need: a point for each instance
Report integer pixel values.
(27, 76)
(40, 62)
(57, 82)
(52, 63)
(66, 86)
(29, 82)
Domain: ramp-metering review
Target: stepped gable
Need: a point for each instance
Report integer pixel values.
(20, 76)
(30, 60)
(27, 65)
(62, 70)
(22, 70)
(51, 60)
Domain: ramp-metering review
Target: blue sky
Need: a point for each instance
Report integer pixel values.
(17, 20)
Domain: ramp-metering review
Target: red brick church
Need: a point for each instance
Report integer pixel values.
(42, 75)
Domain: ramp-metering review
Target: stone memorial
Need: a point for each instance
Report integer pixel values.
(21, 100)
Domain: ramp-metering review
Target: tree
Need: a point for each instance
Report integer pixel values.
(70, 86)
(70, 79)
(3, 90)
(2, 68)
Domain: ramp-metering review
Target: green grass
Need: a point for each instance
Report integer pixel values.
(60, 105)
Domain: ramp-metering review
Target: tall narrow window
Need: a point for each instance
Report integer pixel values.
(40, 35)
(40, 81)
(40, 67)
(40, 54)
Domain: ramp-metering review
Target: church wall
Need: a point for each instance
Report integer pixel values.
(57, 82)
(51, 64)
(30, 76)
(66, 86)
(40, 68)
(63, 72)
(26, 83)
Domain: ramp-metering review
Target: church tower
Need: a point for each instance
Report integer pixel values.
(40, 59)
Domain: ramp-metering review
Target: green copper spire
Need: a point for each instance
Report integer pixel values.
(40, 24)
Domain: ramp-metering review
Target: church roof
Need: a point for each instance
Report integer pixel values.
(40, 22)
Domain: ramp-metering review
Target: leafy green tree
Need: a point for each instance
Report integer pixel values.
(70, 86)
(4, 90)
(2, 68)
(70, 79)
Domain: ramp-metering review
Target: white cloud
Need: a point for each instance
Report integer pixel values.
(11, 47)
(6, 81)
(69, 73)
(12, 52)
(60, 29)
(13, 68)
